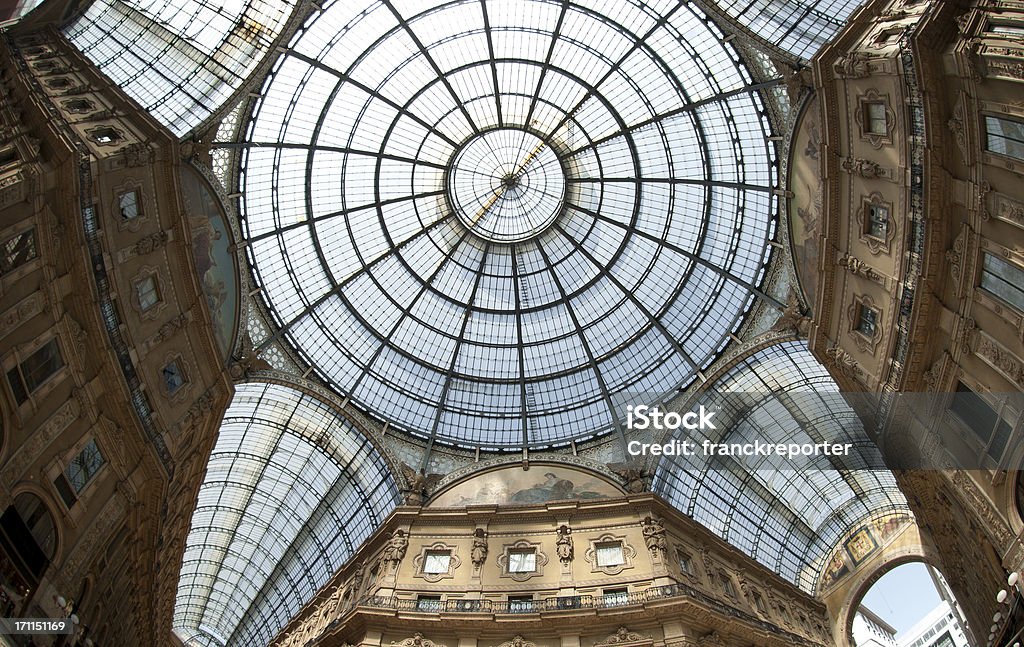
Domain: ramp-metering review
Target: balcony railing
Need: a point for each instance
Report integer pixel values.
(571, 603)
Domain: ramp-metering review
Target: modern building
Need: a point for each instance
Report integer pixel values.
(333, 322)
(937, 629)
(869, 630)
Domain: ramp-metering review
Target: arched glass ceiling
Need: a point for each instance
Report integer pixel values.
(488, 221)
(800, 27)
(180, 59)
(290, 492)
(788, 519)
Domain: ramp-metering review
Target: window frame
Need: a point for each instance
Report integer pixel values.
(26, 392)
(436, 549)
(10, 267)
(528, 554)
(1000, 426)
(985, 271)
(1017, 144)
(156, 292)
(436, 561)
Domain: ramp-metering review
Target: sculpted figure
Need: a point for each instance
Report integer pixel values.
(654, 536)
(479, 553)
(563, 545)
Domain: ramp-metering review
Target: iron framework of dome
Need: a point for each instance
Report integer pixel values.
(493, 223)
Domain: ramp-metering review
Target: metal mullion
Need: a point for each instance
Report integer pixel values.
(616, 66)
(276, 444)
(671, 180)
(374, 93)
(430, 59)
(523, 414)
(494, 63)
(406, 312)
(695, 258)
(606, 396)
(344, 213)
(655, 321)
(344, 478)
(336, 290)
(690, 107)
(555, 35)
(455, 357)
(312, 148)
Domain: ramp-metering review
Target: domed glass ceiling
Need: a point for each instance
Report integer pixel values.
(494, 222)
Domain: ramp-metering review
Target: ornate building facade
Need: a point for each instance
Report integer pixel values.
(321, 320)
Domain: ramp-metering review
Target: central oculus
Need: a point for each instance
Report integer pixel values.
(506, 185)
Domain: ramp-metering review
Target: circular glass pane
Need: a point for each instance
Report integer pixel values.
(498, 223)
(506, 185)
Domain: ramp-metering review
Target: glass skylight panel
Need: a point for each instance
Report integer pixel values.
(812, 506)
(290, 492)
(800, 28)
(423, 288)
(180, 60)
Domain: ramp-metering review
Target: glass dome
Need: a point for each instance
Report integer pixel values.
(492, 223)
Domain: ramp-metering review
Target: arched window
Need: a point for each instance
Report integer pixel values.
(29, 536)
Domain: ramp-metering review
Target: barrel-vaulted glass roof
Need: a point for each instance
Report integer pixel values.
(180, 59)
(788, 515)
(291, 491)
(486, 221)
(800, 27)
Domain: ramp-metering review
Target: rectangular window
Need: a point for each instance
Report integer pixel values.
(520, 603)
(174, 378)
(610, 554)
(1004, 280)
(8, 155)
(1004, 136)
(428, 603)
(31, 373)
(727, 586)
(1007, 29)
(877, 225)
(685, 563)
(105, 135)
(18, 250)
(867, 320)
(436, 561)
(614, 597)
(875, 122)
(522, 560)
(64, 489)
(991, 430)
(759, 602)
(146, 293)
(129, 205)
(84, 466)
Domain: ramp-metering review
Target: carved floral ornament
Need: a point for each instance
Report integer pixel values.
(852, 66)
(624, 636)
(417, 640)
(843, 362)
(517, 641)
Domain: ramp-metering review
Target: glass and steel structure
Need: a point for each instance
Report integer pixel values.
(800, 27)
(291, 491)
(179, 59)
(485, 221)
(786, 514)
